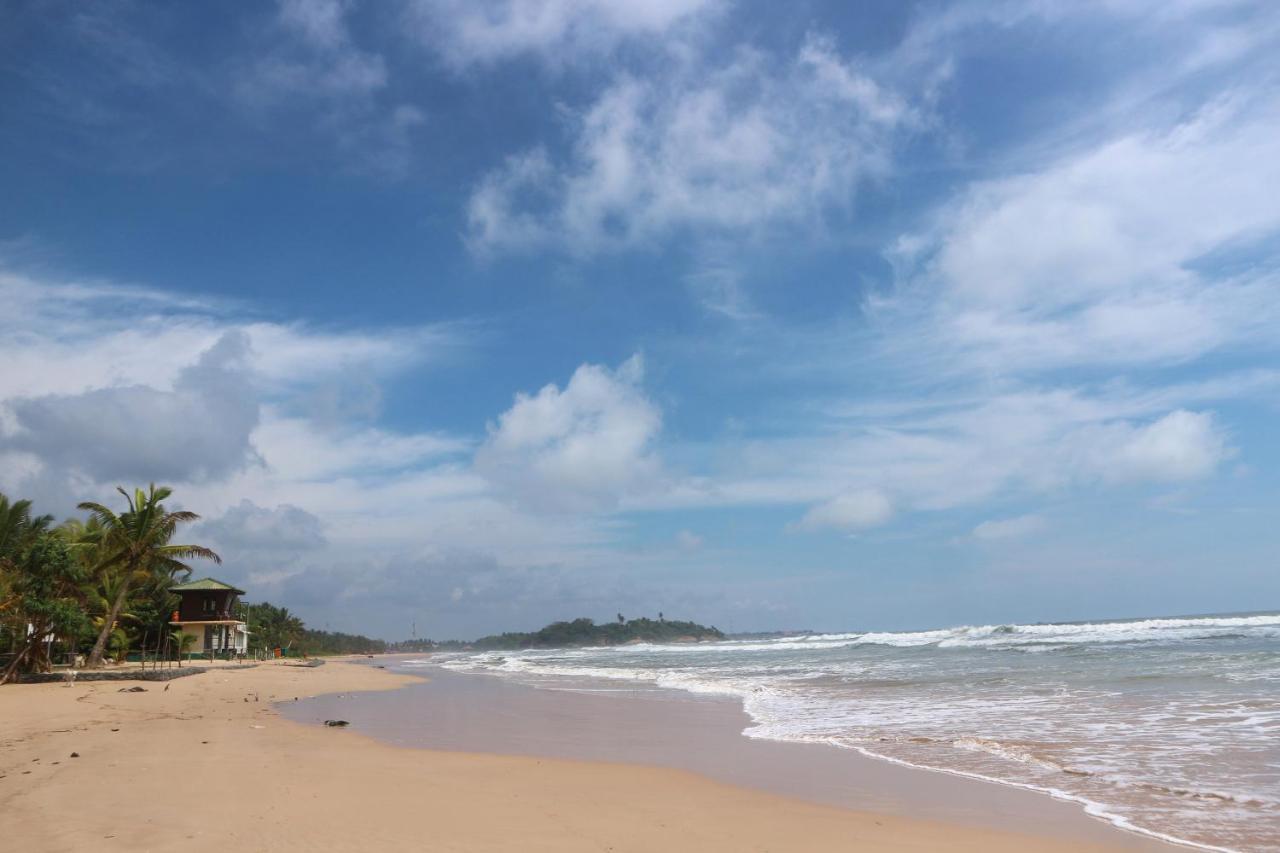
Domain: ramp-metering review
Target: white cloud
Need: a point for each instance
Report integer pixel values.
(556, 31)
(315, 56)
(1107, 255)
(964, 450)
(583, 447)
(296, 446)
(857, 510)
(1009, 528)
(1181, 445)
(249, 526)
(320, 22)
(309, 67)
(90, 357)
(67, 337)
(197, 431)
(753, 144)
(116, 384)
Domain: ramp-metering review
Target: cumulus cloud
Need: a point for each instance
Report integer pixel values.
(198, 430)
(755, 143)
(584, 446)
(857, 510)
(555, 31)
(249, 526)
(1181, 445)
(115, 383)
(1009, 528)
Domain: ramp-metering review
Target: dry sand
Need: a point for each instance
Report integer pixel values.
(197, 767)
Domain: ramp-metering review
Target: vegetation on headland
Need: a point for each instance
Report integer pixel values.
(579, 632)
(99, 588)
(272, 627)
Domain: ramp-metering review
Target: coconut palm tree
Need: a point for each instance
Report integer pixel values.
(18, 527)
(18, 530)
(136, 546)
(274, 627)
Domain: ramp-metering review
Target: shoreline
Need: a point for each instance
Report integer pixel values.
(1090, 808)
(703, 734)
(211, 763)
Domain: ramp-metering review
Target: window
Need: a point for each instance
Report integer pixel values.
(210, 605)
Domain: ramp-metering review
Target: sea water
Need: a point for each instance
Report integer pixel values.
(1169, 727)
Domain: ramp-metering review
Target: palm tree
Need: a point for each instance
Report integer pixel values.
(275, 627)
(291, 627)
(18, 530)
(18, 527)
(136, 544)
(100, 595)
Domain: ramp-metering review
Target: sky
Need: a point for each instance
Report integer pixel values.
(463, 317)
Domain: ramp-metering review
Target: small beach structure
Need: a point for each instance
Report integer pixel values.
(207, 612)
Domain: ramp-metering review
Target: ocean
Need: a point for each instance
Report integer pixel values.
(1168, 727)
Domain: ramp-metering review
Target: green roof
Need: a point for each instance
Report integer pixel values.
(205, 584)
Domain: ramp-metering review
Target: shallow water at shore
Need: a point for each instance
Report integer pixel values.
(1163, 726)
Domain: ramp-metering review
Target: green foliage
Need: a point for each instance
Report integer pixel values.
(118, 644)
(182, 641)
(315, 642)
(272, 627)
(18, 529)
(582, 632)
(47, 596)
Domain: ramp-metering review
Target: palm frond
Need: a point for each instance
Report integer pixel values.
(182, 516)
(189, 551)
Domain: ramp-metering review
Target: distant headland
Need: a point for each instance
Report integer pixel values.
(580, 632)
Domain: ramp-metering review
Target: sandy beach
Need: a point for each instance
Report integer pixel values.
(211, 764)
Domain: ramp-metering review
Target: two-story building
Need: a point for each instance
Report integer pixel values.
(207, 612)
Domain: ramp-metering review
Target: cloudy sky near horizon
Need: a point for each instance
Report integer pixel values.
(482, 315)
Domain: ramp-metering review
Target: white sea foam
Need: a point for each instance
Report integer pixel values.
(986, 636)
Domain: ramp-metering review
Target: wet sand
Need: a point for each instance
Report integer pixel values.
(703, 735)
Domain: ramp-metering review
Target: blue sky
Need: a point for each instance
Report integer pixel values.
(482, 315)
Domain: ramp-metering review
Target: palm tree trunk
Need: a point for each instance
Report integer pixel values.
(100, 647)
(15, 663)
(30, 648)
